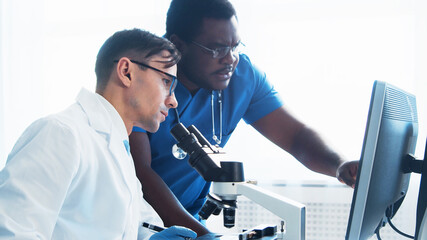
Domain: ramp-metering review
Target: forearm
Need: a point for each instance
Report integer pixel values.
(304, 144)
(156, 192)
(311, 150)
(160, 197)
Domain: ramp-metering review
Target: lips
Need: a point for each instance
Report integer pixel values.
(164, 114)
(225, 73)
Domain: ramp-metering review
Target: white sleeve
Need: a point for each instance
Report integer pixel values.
(35, 180)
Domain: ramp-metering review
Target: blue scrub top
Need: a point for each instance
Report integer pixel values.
(249, 96)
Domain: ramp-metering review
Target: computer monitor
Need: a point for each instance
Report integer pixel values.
(421, 223)
(381, 185)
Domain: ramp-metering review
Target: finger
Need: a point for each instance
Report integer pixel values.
(347, 178)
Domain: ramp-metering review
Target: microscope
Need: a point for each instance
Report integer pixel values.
(228, 182)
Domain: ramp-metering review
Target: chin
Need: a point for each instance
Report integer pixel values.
(152, 128)
(219, 85)
(222, 85)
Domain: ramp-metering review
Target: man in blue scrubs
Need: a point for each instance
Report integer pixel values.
(217, 88)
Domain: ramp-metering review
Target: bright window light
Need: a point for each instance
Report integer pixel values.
(322, 56)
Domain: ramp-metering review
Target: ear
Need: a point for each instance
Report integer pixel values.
(124, 71)
(178, 42)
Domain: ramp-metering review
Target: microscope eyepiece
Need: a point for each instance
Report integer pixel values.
(199, 158)
(195, 144)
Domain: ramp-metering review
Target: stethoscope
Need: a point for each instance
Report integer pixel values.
(177, 152)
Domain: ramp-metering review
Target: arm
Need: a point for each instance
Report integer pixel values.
(304, 144)
(156, 192)
(35, 181)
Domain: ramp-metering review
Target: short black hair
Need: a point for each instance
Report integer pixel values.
(131, 43)
(184, 17)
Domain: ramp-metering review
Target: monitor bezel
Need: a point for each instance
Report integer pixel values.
(367, 161)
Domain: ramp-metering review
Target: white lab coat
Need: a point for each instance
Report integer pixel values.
(69, 176)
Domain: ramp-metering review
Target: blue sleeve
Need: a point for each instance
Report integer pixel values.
(264, 100)
(137, 129)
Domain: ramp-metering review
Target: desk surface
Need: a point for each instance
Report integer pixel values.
(235, 236)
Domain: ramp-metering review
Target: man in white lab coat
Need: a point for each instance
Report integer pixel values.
(70, 175)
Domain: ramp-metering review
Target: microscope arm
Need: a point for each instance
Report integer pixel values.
(289, 210)
(227, 182)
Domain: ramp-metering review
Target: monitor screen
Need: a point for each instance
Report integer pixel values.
(381, 184)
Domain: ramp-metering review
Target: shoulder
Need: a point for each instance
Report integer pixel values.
(52, 127)
(247, 76)
(73, 119)
(244, 63)
(246, 70)
(63, 125)
(48, 141)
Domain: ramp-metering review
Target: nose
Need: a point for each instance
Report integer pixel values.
(230, 58)
(171, 101)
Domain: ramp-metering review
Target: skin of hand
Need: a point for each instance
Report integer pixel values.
(347, 173)
(174, 232)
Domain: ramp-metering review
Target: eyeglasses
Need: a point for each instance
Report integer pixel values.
(222, 51)
(174, 79)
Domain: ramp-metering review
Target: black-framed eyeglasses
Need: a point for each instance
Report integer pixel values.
(174, 78)
(221, 51)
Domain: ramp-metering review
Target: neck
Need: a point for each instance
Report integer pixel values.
(191, 86)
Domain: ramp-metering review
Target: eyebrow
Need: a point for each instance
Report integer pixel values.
(225, 45)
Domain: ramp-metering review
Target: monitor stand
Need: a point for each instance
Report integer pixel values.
(422, 233)
(419, 166)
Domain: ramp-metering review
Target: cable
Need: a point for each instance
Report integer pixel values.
(397, 230)
(377, 232)
(389, 214)
(177, 115)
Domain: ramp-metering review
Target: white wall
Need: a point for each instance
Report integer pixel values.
(2, 144)
(49, 49)
(322, 56)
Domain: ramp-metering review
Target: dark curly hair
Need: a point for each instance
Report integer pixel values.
(184, 17)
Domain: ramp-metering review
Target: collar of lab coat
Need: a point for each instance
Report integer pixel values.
(105, 119)
(102, 116)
